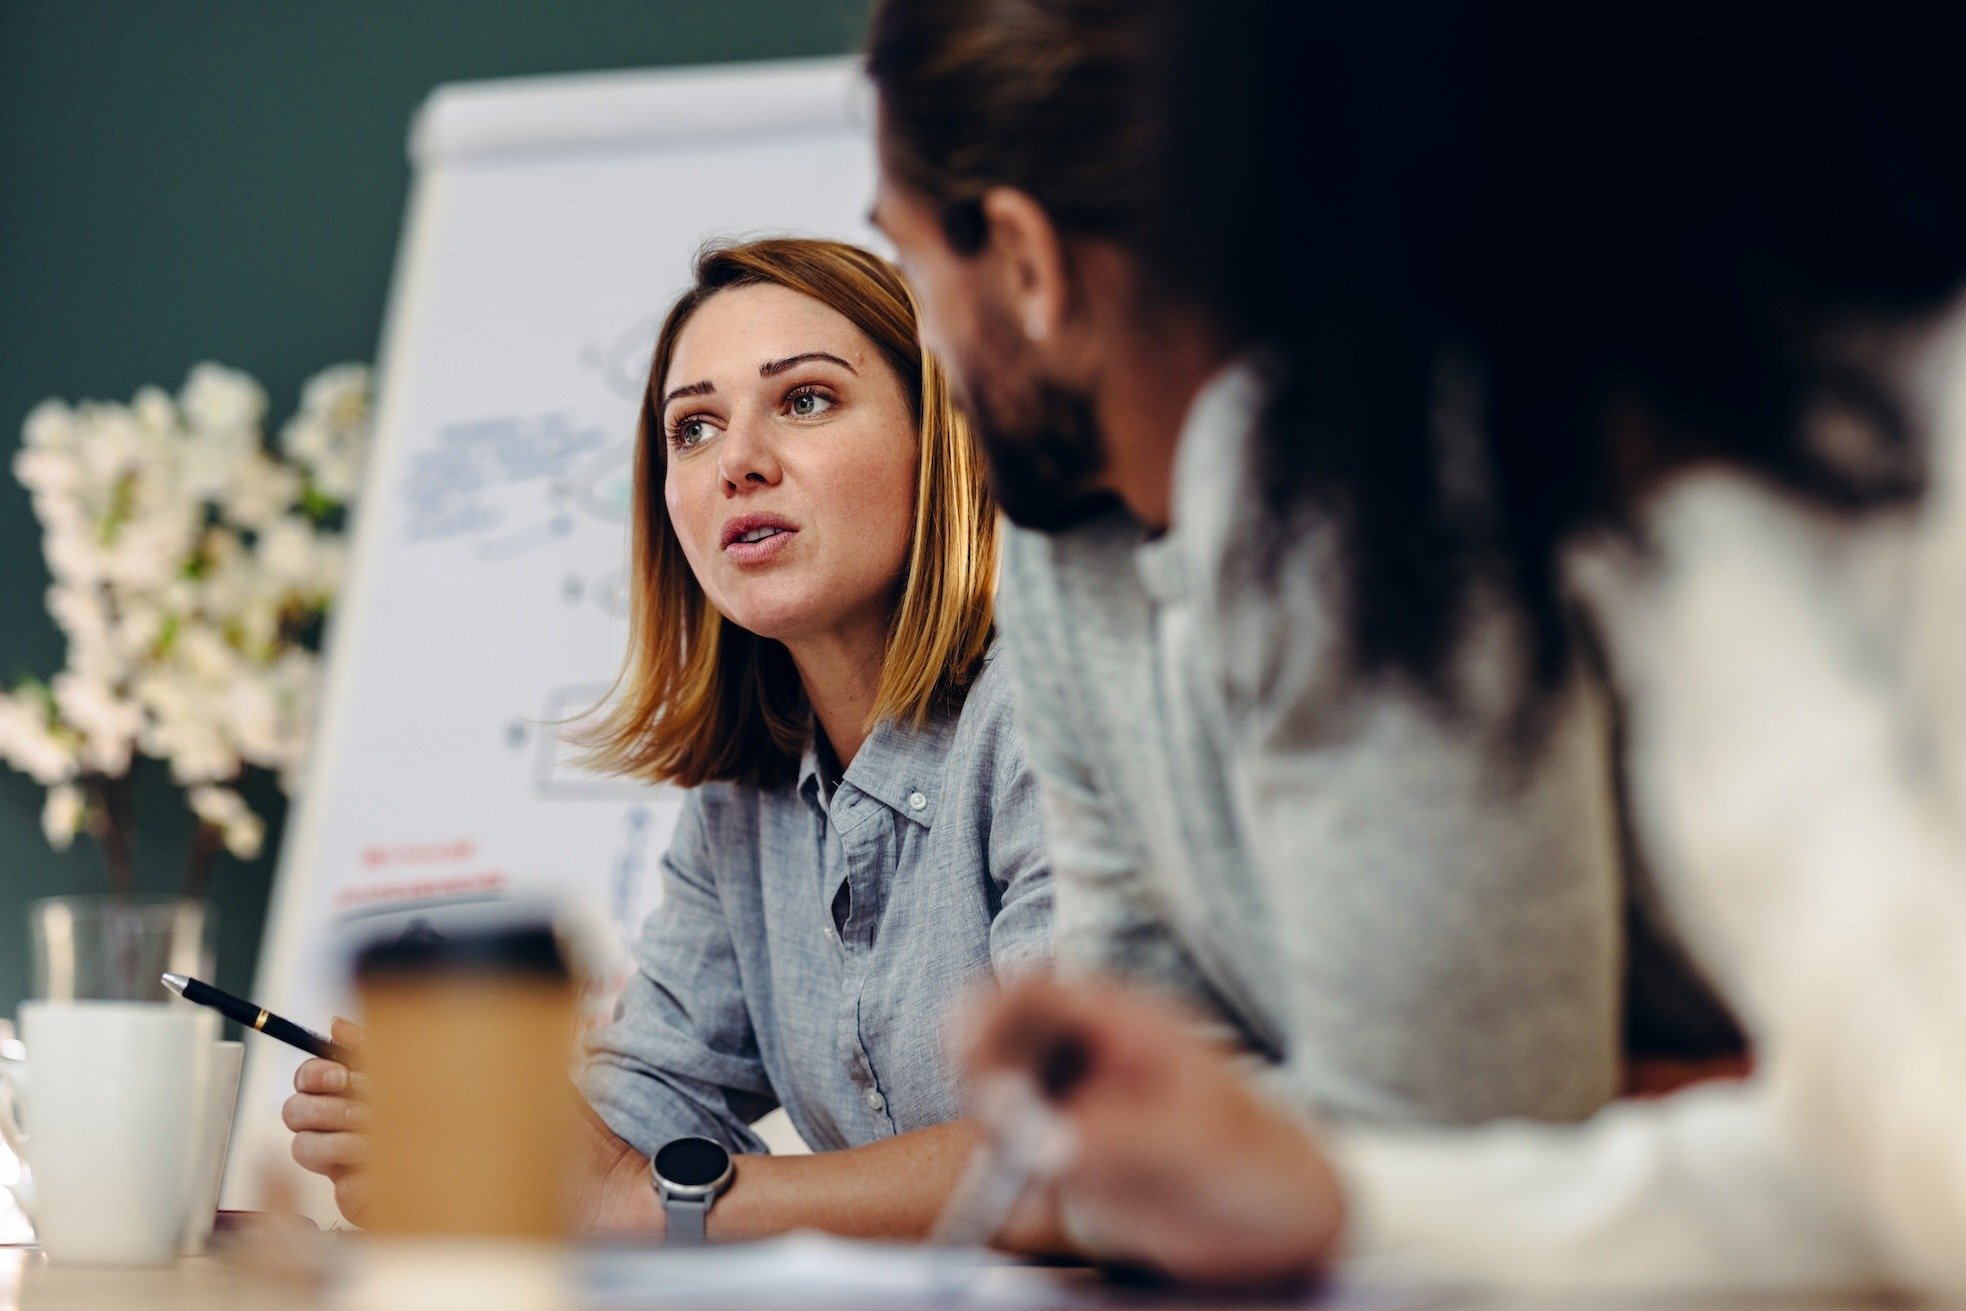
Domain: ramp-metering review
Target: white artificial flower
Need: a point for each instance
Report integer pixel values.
(286, 550)
(155, 411)
(79, 612)
(225, 810)
(29, 743)
(218, 399)
(48, 471)
(61, 815)
(198, 752)
(223, 409)
(164, 692)
(66, 515)
(93, 706)
(245, 838)
(208, 461)
(49, 426)
(113, 444)
(75, 558)
(252, 717)
(108, 723)
(329, 436)
(138, 628)
(181, 552)
(330, 568)
(295, 681)
(143, 559)
(149, 552)
(215, 805)
(207, 655)
(261, 489)
(258, 624)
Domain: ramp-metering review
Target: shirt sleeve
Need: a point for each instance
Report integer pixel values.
(1020, 867)
(1696, 1192)
(681, 1057)
(1107, 918)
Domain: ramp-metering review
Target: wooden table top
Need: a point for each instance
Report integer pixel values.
(200, 1283)
(29, 1283)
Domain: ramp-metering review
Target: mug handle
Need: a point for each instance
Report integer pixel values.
(13, 1077)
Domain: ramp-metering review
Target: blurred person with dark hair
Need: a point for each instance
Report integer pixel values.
(1199, 735)
(1687, 284)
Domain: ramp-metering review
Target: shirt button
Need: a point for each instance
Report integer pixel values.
(875, 1102)
(830, 935)
(916, 801)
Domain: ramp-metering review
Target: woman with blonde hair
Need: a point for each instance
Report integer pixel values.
(814, 557)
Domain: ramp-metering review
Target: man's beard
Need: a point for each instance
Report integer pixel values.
(1043, 444)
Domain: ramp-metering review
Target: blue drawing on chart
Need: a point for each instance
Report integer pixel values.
(598, 488)
(623, 363)
(461, 483)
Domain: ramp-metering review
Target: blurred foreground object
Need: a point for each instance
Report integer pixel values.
(468, 1046)
(192, 562)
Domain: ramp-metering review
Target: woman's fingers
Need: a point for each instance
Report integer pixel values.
(351, 1196)
(349, 1034)
(331, 1154)
(329, 1079)
(305, 1111)
(316, 1075)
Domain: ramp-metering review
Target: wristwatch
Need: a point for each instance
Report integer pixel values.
(689, 1174)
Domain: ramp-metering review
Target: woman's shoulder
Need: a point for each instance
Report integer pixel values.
(720, 807)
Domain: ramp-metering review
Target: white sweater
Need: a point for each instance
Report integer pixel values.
(1795, 693)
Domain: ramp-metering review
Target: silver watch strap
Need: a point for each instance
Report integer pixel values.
(685, 1218)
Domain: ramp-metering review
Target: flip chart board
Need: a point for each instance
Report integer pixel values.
(551, 222)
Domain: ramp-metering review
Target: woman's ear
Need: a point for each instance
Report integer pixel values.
(1030, 260)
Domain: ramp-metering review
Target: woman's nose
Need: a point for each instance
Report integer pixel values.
(746, 460)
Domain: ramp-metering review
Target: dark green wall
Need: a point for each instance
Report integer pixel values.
(224, 180)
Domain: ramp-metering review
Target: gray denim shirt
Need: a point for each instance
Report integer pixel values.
(807, 948)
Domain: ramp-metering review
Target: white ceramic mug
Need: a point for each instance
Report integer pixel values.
(109, 1124)
(214, 1141)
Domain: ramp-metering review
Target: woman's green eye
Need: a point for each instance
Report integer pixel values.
(808, 404)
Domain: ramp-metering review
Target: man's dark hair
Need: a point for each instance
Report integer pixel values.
(1634, 233)
(1040, 95)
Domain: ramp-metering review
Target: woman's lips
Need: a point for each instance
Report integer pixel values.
(741, 552)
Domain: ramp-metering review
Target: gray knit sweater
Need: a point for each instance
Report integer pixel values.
(1417, 922)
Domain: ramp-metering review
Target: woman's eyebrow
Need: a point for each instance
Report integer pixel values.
(772, 368)
(689, 389)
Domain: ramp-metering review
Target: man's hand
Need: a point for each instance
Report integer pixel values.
(329, 1115)
(1178, 1165)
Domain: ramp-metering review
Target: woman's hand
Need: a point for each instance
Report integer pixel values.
(1178, 1165)
(329, 1116)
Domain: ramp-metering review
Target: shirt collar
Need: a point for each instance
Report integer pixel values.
(1217, 427)
(899, 765)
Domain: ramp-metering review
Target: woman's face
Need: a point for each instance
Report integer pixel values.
(792, 453)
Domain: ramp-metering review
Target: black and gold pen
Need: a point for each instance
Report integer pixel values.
(255, 1016)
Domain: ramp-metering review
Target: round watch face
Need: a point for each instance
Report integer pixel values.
(692, 1162)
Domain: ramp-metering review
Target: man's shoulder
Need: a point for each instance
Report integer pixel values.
(1052, 582)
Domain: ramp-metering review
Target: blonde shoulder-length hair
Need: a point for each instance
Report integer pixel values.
(700, 699)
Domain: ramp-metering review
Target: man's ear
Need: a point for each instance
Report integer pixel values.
(1030, 258)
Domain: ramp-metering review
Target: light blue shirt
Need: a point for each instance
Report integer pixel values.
(807, 948)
